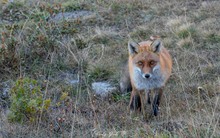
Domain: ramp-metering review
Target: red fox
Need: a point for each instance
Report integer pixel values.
(149, 67)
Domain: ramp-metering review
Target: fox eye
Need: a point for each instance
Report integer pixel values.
(152, 63)
(140, 63)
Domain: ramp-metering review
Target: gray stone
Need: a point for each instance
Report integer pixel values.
(69, 78)
(4, 134)
(73, 82)
(103, 89)
(71, 15)
(5, 88)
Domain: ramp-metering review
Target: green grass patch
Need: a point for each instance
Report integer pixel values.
(119, 97)
(186, 32)
(213, 38)
(80, 43)
(74, 6)
(38, 15)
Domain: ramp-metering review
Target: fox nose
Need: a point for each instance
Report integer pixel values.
(147, 76)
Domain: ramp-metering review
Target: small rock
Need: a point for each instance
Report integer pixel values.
(5, 92)
(5, 88)
(103, 88)
(73, 82)
(148, 18)
(69, 78)
(71, 15)
(4, 134)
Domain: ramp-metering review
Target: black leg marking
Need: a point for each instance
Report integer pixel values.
(148, 98)
(155, 105)
(136, 103)
(156, 101)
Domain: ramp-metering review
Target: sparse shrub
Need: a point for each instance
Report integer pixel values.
(27, 101)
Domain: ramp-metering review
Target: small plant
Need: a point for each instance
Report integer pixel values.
(98, 73)
(118, 97)
(186, 30)
(213, 38)
(27, 101)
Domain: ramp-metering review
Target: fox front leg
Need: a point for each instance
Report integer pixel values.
(135, 101)
(143, 101)
(156, 102)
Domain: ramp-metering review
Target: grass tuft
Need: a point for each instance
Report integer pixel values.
(185, 31)
(98, 73)
(213, 38)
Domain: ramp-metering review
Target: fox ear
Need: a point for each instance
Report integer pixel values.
(156, 45)
(133, 47)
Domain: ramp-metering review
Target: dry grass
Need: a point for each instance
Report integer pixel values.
(94, 49)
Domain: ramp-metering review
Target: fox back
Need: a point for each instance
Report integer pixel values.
(149, 64)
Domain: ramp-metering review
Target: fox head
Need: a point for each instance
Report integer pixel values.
(146, 57)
